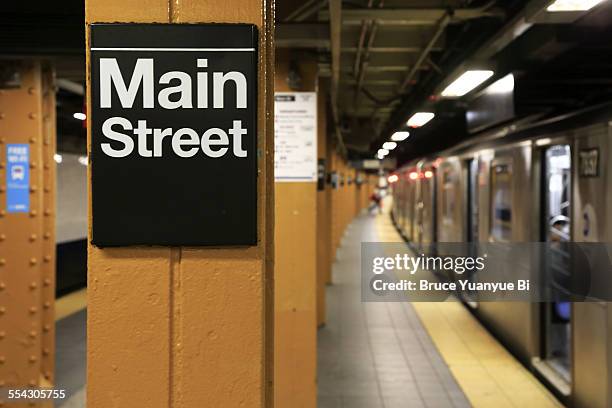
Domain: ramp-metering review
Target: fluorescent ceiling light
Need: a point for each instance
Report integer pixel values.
(502, 86)
(79, 116)
(384, 152)
(420, 118)
(389, 145)
(572, 5)
(399, 136)
(466, 82)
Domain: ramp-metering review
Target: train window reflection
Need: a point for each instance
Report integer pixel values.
(448, 197)
(501, 193)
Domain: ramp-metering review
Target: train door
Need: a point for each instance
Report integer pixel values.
(471, 213)
(472, 201)
(556, 224)
(428, 210)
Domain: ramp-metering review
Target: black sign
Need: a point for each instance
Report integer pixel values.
(589, 162)
(173, 134)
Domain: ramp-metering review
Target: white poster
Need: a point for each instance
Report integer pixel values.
(295, 136)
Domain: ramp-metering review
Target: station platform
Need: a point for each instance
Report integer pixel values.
(71, 348)
(370, 355)
(395, 354)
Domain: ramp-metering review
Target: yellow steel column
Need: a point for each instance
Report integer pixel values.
(295, 272)
(187, 327)
(323, 209)
(27, 239)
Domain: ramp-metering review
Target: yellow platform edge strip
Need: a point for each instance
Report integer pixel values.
(70, 304)
(486, 372)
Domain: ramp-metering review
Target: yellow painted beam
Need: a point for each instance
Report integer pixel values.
(187, 327)
(295, 270)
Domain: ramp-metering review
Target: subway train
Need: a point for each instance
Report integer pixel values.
(540, 182)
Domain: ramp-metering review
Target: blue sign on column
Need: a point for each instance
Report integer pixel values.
(18, 178)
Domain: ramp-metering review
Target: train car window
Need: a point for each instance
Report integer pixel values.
(448, 197)
(501, 194)
(472, 209)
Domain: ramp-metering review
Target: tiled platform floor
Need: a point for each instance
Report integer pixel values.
(374, 355)
(406, 355)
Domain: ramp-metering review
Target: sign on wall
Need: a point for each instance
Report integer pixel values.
(173, 134)
(295, 136)
(588, 162)
(17, 178)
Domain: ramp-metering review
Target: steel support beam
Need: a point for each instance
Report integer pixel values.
(335, 29)
(443, 22)
(410, 16)
(27, 233)
(307, 35)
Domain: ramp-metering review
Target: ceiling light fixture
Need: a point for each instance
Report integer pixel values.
(420, 119)
(400, 136)
(501, 86)
(466, 82)
(572, 5)
(389, 145)
(79, 116)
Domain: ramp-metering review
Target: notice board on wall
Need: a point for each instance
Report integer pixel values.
(295, 136)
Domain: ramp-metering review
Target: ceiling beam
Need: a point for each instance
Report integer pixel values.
(305, 35)
(412, 16)
(335, 33)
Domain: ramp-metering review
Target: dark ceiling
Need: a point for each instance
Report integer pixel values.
(389, 58)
